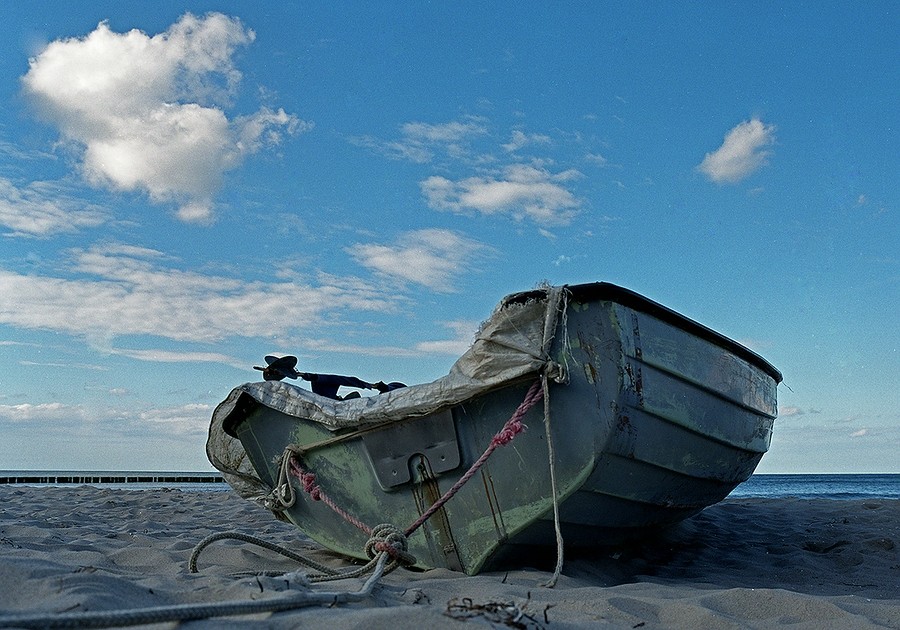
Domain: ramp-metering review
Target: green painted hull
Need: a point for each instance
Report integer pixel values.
(660, 418)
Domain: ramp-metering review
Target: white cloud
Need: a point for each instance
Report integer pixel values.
(122, 290)
(168, 356)
(65, 366)
(332, 345)
(27, 412)
(444, 133)
(520, 140)
(431, 258)
(35, 211)
(741, 154)
(522, 191)
(419, 141)
(148, 110)
(187, 419)
(463, 335)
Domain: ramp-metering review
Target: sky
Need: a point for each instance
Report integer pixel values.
(187, 187)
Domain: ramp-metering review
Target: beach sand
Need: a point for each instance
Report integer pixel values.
(745, 563)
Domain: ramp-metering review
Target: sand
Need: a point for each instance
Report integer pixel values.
(748, 563)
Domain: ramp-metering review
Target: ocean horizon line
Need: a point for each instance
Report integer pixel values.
(758, 485)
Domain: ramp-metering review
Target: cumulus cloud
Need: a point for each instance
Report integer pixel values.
(34, 211)
(521, 190)
(147, 111)
(126, 290)
(509, 180)
(433, 258)
(741, 154)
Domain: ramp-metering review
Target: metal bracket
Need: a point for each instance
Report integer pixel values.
(390, 449)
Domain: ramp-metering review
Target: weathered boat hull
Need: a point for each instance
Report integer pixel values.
(659, 418)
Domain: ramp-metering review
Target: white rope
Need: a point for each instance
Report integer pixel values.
(551, 457)
(188, 612)
(557, 303)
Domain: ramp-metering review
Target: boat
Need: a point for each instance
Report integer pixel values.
(631, 418)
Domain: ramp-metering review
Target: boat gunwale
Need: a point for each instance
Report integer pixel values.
(598, 291)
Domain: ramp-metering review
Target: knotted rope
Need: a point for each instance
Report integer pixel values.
(284, 497)
(385, 540)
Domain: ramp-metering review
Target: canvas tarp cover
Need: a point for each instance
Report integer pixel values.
(510, 345)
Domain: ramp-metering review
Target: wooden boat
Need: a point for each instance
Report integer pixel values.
(651, 417)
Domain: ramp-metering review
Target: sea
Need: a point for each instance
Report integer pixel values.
(862, 486)
(805, 486)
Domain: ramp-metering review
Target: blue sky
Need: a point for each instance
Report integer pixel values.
(186, 187)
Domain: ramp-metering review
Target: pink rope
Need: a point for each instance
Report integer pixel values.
(504, 436)
(308, 480)
(512, 428)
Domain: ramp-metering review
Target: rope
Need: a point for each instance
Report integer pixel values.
(283, 495)
(551, 457)
(383, 538)
(512, 428)
(189, 612)
(539, 390)
(308, 480)
(253, 540)
(556, 308)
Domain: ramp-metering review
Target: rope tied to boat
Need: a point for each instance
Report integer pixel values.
(394, 545)
(386, 541)
(511, 428)
(283, 497)
(386, 538)
(387, 546)
(507, 433)
(290, 465)
(308, 480)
